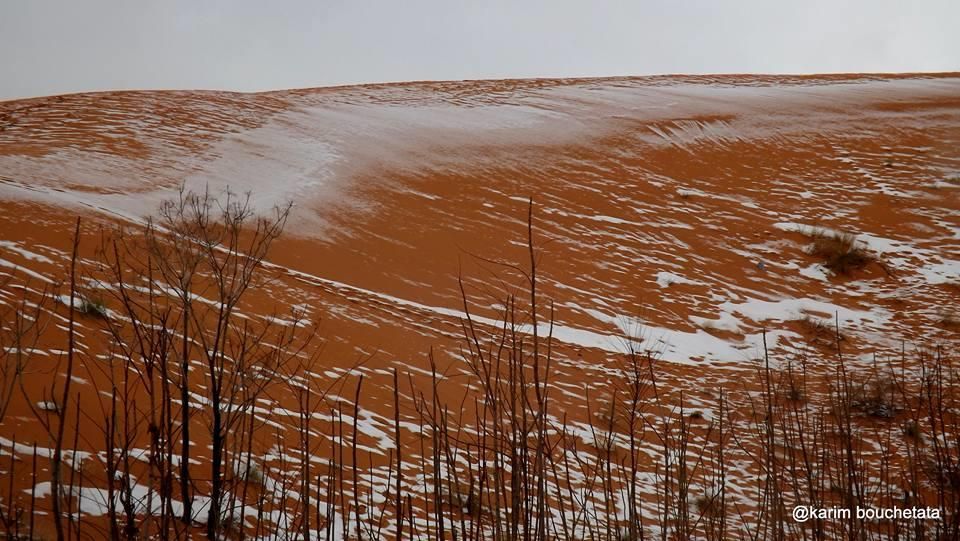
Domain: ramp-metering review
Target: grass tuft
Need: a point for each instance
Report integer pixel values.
(840, 251)
(876, 398)
(93, 307)
(911, 429)
(820, 331)
(949, 320)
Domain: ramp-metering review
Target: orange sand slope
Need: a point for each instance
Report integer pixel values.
(671, 201)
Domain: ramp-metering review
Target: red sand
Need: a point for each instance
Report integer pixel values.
(671, 201)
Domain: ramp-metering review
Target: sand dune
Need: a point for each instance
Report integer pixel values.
(672, 214)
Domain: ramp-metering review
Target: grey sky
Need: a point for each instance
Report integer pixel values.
(51, 47)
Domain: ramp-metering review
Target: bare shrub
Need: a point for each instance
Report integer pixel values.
(504, 459)
(876, 397)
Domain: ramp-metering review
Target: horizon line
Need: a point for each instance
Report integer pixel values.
(380, 84)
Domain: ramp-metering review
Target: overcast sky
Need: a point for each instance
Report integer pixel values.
(52, 47)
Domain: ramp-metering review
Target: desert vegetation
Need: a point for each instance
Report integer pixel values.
(208, 422)
(840, 251)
